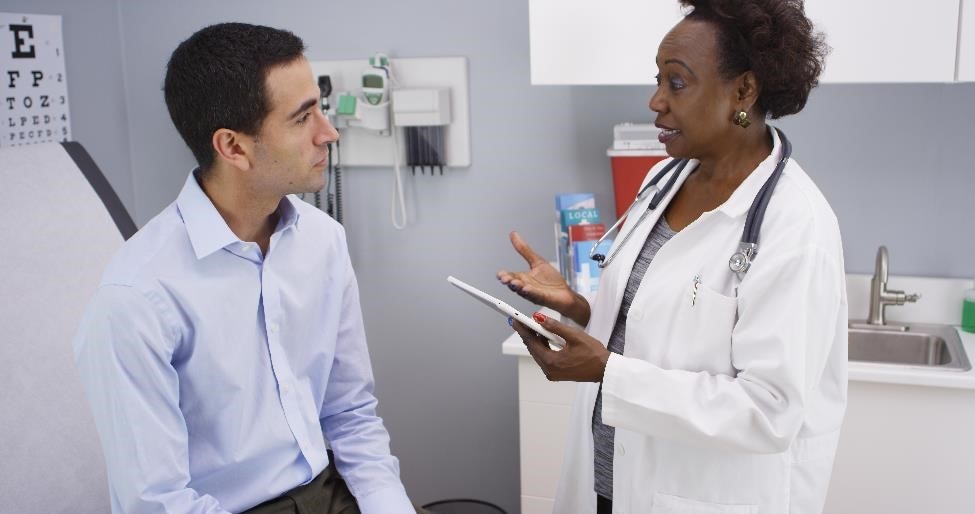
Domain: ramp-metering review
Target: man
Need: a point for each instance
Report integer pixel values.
(225, 344)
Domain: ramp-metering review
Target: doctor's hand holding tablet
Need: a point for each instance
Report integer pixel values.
(562, 351)
(583, 358)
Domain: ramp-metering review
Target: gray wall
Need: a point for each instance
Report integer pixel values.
(894, 160)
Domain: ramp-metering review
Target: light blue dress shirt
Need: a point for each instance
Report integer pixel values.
(216, 374)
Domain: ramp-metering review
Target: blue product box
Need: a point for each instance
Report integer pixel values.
(585, 271)
(568, 201)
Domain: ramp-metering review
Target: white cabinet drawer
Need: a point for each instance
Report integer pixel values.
(542, 441)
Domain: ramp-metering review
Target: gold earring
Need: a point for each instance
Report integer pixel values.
(741, 119)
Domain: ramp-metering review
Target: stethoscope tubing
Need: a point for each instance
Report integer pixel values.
(756, 213)
(748, 247)
(658, 195)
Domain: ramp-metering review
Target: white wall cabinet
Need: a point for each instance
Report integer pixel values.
(887, 41)
(608, 42)
(576, 42)
(966, 42)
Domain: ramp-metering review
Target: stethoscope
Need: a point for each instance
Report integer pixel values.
(748, 246)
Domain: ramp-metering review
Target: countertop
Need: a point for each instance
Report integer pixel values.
(861, 371)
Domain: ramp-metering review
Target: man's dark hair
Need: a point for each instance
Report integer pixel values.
(216, 79)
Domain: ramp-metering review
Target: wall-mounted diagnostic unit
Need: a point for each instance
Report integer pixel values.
(391, 112)
(368, 143)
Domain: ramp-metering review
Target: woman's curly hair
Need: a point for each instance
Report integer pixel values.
(772, 38)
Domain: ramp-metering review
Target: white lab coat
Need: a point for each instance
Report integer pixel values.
(730, 402)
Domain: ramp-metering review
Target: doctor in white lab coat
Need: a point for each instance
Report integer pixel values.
(729, 391)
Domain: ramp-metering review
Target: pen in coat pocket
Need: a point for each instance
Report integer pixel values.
(697, 283)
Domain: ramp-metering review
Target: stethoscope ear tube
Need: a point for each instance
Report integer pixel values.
(748, 247)
(657, 198)
(756, 213)
(658, 195)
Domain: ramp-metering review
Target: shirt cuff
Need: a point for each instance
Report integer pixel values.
(389, 500)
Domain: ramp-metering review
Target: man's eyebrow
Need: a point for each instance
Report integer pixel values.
(680, 62)
(304, 107)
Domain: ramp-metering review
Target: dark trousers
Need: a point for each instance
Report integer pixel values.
(603, 505)
(326, 494)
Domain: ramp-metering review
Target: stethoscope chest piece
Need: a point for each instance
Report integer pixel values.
(741, 260)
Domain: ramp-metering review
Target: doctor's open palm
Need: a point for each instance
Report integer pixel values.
(543, 285)
(583, 359)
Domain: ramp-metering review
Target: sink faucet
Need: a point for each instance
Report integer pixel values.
(881, 297)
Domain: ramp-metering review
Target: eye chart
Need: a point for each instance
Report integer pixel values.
(33, 86)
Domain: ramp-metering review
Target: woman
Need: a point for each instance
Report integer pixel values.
(720, 391)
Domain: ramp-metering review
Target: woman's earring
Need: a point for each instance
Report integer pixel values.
(741, 119)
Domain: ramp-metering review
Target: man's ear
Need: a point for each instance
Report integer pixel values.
(234, 148)
(748, 90)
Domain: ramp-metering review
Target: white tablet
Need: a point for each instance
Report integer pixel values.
(507, 311)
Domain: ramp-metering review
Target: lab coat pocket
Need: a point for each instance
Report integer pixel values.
(702, 334)
(669, 504)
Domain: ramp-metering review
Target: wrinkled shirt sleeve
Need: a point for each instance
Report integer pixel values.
(124, 352)
(349, 420)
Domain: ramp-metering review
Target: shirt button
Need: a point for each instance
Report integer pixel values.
(635, 315)
(621, 450)
(273, 327)
(285, 389)
(244, 247)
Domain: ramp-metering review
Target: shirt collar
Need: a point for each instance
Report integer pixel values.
(288, 213)
(741, 200)
(207, 229)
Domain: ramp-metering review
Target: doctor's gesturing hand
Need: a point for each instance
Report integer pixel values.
(543, 285)
(584, 358)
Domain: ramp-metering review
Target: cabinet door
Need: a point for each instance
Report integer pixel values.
(887, 40)
(615, 41)
(966, 42)
(608, 42)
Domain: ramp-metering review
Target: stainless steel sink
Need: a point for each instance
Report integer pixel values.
(928, 346)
